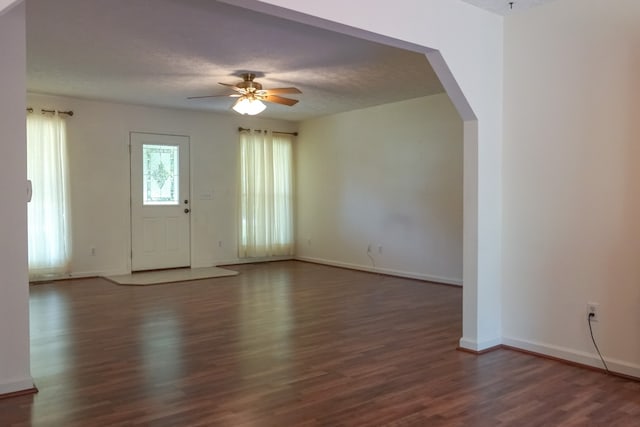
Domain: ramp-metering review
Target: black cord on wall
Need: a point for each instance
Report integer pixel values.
(373, 261)
(606, 368)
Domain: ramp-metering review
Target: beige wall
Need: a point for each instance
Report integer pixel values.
(388, 176)
(410, 196)
(571, 180)
(98, 138)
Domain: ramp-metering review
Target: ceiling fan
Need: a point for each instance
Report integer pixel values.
(250, 95)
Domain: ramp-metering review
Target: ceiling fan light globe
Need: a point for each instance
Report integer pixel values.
(249, 106)
(256, 107)
(239, 106)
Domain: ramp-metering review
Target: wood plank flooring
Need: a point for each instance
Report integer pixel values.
(289, 344)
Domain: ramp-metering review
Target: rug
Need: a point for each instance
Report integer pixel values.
(158, 277)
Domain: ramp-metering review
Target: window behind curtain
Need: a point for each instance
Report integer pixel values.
(48, 211)
(266, 195)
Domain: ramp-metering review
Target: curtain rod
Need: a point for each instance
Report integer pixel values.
(240, 129)
(68, 113)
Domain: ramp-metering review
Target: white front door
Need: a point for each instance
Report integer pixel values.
(160, 220)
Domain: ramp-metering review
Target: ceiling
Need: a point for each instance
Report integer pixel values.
(503, 7)
(159, 52)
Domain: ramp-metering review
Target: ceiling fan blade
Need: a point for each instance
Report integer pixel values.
(279, 100)
(206, 96)
(233, 95)
(234, 87)
(283, 90)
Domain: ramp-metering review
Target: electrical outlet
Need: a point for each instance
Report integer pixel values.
(592, 309)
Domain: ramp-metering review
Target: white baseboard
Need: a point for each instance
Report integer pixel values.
(474, 345)
(252, 260)
(391, 272)
(590, 359)
(16, 385)
(78, 275)
(221, 263)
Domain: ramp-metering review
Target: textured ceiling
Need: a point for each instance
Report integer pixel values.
(6, 4)
(503, 7)
(158, 52)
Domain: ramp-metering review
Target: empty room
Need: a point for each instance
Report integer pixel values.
(284, 213)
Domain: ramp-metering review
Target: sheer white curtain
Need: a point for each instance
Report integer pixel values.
(266, 194)
(48, 211)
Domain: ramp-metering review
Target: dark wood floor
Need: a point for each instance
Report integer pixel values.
(289, 344)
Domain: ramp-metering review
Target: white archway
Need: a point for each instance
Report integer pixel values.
(482, 209)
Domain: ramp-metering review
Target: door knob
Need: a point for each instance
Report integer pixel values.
(186, 210)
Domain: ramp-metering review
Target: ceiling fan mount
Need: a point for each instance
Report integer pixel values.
(248, 84)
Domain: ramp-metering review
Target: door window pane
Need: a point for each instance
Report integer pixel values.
(160, 174)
